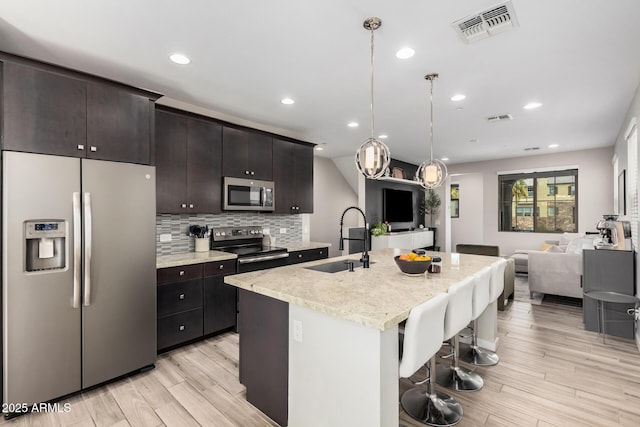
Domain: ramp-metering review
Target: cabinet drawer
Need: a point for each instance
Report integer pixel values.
(297, 257)
(176, 297)
(179, 328)
(218, 268)
(179, 274)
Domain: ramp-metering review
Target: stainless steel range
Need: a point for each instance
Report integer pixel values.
(247, 243)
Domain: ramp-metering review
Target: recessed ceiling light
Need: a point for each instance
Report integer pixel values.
(405, 53)
(287, 101)
(532, 105)
(179, 58)
(383, 136)
(319, 148)
(459, 109)
(473, 141)
(553, 145)
(444, 159)
(458, 97)
(352, 124)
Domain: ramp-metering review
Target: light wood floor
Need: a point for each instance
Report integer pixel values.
(551, 373)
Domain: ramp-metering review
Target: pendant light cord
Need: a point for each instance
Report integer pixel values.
(372, 116)
(431, 120)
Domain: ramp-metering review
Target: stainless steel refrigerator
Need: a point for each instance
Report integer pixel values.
(78, 273)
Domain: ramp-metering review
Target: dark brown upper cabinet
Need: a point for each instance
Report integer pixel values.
(293, 176)
(51, 110)
(43, 112)
(188, 164)
(119, 125)
(247, 154)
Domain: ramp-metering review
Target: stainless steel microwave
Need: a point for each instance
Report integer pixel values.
(240, 194)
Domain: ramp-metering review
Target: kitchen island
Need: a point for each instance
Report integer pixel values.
(336, 334)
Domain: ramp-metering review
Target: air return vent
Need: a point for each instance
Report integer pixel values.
(531, 148)
(499, 118)
(486, 23)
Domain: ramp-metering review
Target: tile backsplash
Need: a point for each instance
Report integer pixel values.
(177, 226)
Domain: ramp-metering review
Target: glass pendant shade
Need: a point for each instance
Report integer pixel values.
(372, 158)
(432, 174)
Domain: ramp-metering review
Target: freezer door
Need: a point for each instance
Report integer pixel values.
(119, 295)
(40, 326)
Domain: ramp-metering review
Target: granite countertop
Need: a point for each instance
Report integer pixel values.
(378, 297)
(186, 258)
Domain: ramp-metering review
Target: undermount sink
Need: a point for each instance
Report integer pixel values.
(335, 266)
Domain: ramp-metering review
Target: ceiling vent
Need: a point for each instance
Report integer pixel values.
(532, 149)
(499, 118)
(486, 23)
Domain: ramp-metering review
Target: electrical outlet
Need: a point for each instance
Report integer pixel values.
(165, 238)
(283, 231)
(297, 330)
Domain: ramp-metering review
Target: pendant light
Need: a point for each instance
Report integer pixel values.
(373, 156)
(432, 173)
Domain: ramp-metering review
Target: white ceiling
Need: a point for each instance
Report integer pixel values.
(580, 58)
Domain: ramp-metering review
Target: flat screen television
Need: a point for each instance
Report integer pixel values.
(397, 205)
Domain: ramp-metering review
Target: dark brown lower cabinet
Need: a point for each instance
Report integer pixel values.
(264, 354)
(179, 328)
(194, 301)
(296, 257)
(220, 300)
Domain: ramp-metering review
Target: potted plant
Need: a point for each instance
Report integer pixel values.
(430, 205)
(379, 229)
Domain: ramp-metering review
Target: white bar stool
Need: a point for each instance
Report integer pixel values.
(477, 355)
(423, 334)
(456, 318)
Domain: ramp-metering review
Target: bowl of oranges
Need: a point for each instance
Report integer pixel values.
(413, 264)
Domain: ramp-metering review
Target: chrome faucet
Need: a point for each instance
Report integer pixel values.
(365, 254)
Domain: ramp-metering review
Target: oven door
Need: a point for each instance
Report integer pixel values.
(262, 262)
(248, 195)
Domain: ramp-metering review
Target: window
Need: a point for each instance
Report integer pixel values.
(455, 200)
(543, 202)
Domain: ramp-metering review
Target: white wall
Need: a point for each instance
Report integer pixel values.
(595, 195)
(331, 195)
(468, 227)
(621, 151)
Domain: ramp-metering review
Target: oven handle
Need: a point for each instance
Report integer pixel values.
(264, 199)
(262, 258)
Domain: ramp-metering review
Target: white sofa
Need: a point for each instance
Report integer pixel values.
(558, 270)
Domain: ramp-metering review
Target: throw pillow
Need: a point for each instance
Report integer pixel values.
(554, 248)
(574, 246)
(545, 246)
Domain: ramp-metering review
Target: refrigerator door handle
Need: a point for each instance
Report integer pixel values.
(77, 250)
(87, 249)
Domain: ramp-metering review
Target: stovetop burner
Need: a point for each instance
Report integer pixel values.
(252, 250)
(242, 241)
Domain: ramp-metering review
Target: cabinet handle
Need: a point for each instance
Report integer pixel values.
(181, 273)
(321, 252)
(181, 296)
(191, 206)
(221, 266)
(80, 147)
(181, 328)
(93, 148)
(183, 206)
(299, 255)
